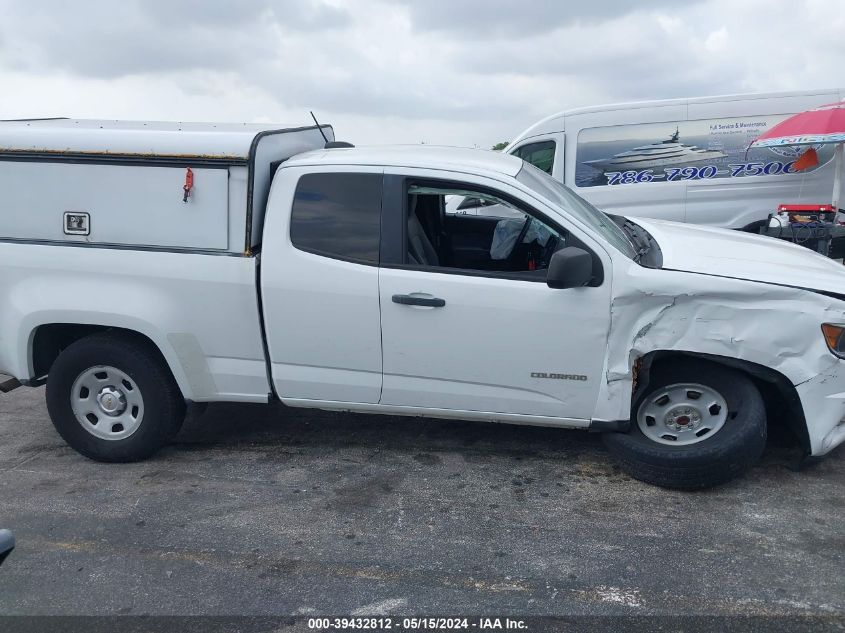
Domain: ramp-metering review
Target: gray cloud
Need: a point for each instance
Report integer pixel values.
(390, 98)
(103, 38)
(291, 14)
(483, 19)
(462, 71)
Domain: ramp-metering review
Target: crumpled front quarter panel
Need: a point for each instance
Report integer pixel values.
(655, 310)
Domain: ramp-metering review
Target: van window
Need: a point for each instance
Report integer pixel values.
(338, 215)
(541, 154)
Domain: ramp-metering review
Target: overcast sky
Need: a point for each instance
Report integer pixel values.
(460, 72)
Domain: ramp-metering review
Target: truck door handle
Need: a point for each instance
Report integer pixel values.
(410, 300)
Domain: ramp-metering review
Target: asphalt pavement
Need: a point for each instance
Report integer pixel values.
(265, 510)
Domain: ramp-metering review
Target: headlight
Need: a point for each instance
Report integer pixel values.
(833, 336)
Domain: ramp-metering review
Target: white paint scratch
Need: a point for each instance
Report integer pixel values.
(382, 607)
(627, 597)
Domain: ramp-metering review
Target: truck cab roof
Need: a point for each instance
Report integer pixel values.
(415, 156)
(232, 142)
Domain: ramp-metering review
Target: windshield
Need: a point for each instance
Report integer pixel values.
(560, 195)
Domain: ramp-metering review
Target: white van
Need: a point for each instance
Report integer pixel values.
(682, 159)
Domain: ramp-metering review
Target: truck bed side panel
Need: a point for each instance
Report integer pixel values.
(200, 310)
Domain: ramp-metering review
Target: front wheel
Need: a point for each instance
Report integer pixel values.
(113, 399)
(697, 425)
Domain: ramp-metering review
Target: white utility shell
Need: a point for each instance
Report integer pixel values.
(127, 180)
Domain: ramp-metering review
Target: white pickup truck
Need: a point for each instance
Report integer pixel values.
(146, 266)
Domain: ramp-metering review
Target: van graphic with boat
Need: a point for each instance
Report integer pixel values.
(678, 151)
(662, 154)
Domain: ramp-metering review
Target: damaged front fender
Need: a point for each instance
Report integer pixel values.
(662, 310)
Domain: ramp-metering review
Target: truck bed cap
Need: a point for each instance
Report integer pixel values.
(214, 141)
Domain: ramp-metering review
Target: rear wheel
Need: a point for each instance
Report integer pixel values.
(697, 425)
(113, 399)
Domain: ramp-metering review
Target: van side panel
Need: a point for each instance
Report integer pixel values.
(734, 190)
(748, 199)
(752, 105)
(709, 161)
(177, 300)
(662, 200)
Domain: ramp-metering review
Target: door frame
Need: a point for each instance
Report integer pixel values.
(394, 238)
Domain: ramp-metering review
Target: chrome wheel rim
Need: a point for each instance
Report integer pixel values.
(107, 403)
(682, 414)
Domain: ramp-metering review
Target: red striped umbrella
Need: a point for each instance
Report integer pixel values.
(825, 124)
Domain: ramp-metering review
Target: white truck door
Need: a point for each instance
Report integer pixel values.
(319, 284)
(468, 322)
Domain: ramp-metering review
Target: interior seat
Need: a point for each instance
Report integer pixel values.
(420, 249)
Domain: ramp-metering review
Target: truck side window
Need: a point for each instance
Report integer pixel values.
(541, 154)
(338, 215)
(501, 240)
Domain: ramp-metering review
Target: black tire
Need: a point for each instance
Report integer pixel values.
(193, 412)
(715, 460)
(163, 410)
(754, 227)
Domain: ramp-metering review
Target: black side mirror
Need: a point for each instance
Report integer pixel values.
(7, 544)
(570, 267)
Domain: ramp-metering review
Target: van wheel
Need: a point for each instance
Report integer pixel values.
(697, 425)
(113, 399)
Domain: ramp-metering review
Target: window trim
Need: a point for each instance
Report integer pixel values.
(479, 204)
(340, 258)
(469, 272)
(395, 225)
(335, 256)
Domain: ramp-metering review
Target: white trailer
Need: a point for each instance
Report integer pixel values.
(335, 279)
